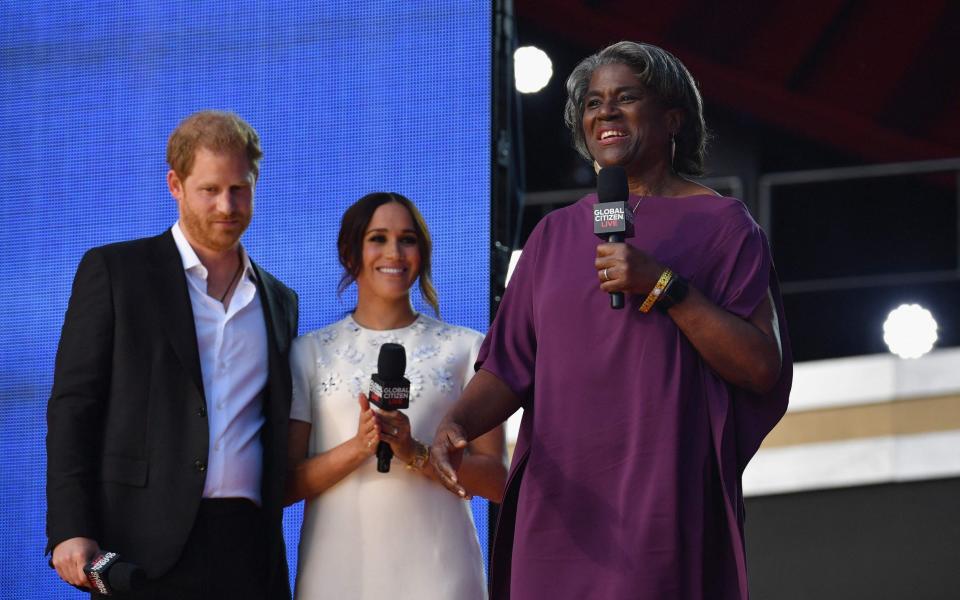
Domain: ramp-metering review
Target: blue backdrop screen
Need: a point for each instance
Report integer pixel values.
(348, 98)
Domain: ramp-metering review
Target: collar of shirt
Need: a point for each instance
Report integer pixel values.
(191, 262)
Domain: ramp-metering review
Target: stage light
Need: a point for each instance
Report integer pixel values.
(910, 331)
(532, 69)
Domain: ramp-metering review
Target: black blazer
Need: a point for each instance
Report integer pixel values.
(127, 432)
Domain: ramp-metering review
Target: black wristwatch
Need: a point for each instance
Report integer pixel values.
(673, 294)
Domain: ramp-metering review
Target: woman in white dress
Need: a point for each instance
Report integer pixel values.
(365, 534)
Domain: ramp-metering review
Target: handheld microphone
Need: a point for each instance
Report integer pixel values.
(106, 574)
(612, 217)
(389, 390)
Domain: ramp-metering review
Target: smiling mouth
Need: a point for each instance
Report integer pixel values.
(612, 133)
(391, 270)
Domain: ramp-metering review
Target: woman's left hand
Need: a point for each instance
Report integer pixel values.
(395, 430)
(623, 268)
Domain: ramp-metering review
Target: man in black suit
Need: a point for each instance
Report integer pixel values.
(167, 422)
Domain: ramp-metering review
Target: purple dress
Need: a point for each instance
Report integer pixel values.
(625, 480)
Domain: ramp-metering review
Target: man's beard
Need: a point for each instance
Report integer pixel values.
(208, 234)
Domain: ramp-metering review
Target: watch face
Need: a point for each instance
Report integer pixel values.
(674, 293)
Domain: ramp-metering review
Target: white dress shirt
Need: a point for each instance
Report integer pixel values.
(233, 360)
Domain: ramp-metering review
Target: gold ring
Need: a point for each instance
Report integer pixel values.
(369, 443)
(605, 276)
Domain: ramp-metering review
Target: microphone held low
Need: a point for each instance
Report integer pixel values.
(106, 574)
(389, 390)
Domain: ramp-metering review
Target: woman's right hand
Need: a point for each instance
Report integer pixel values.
(311, 475)
(368, 432)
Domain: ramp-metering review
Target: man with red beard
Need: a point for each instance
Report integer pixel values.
(168, 415)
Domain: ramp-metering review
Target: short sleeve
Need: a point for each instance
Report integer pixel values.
(737, 274)
(303, 371)
(738, 277)
(510, 349)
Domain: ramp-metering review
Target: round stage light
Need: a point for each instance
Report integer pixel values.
(910, 331)
(532, 69)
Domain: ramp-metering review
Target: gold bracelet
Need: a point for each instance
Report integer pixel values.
(421, 456)
(654, 294)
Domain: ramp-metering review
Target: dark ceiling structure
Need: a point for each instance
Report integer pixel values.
(876, 80)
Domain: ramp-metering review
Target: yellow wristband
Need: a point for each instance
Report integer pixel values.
(654, 294)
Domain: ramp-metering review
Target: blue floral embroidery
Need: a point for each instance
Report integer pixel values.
(351, 354)
(329, 381)
(445, 333)
(425, 352)
(326, 336)
(359, 382)
(415, 376)
(442, 378)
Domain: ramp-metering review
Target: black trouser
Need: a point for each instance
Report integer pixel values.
(225, 557)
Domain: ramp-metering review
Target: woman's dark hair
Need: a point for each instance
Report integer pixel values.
(353, 227)
(664, 75)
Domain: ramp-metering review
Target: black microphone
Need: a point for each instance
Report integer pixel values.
(107, 574)
(612, 217)
(389, 390)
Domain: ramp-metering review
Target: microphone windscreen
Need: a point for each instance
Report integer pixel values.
(612, 185)
(392, 361)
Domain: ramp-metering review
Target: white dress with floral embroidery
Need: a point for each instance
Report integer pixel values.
(384, 535)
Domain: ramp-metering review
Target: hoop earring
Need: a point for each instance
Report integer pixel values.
(673, 149)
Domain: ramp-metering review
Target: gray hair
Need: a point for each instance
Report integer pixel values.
(664, 75)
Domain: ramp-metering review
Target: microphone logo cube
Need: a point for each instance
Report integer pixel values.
(96, 572)
(612, 217)
(393, 394)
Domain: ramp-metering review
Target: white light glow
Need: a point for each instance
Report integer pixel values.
(514, 257)
(532, 69)
(910, 331)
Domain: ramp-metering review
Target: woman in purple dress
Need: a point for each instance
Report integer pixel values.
(637, 423)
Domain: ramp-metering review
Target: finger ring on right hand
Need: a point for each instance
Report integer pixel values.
(369, 443)
(604, 275)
